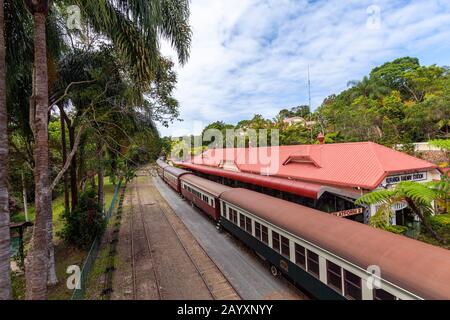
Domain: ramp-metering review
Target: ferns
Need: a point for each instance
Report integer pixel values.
(419, 196)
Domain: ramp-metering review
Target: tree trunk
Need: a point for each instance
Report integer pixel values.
(418, 212)
(36, 275)
(64, 158)
(73, 171)
(101, 185)
(24, 194)
(5, 279)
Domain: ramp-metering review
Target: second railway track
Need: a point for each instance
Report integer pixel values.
(214, 281)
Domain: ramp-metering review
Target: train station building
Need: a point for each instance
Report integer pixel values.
(327, 177)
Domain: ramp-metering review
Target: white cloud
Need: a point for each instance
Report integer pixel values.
(251, 56)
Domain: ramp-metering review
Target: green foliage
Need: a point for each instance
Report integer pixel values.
(398, 103)
(441, 143)
(397, 229)
(85, 223)
(299, 111)
(441, 224)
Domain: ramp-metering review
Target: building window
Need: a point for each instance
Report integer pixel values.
(285, 251)
(352, 286)
(313, 263)
(334, 276)
(380, 294)
(248, 225)
(275, 241)
(300, 255)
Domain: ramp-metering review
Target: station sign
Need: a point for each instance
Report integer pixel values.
(347, 213)
(417, 176)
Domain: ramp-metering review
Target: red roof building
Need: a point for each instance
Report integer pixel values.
(358, 164)
(326, 173)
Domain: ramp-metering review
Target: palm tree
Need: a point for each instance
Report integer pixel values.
(368, 88)
(134, 27)
(5, 280)
(418, 196)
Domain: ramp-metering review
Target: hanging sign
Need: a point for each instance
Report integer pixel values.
(417, 176)
(346, 213)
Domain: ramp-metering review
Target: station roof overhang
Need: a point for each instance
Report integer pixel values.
(301, 188)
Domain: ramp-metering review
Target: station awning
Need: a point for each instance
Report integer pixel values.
(304, 189)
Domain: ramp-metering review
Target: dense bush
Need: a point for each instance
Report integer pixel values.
(441, 224)
(85, 223)
(397, 229)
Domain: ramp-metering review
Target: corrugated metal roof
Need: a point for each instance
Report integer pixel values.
(175, 171)
(161, 163)
(305, 189)
(357, 164)
(215, 189)
(416, 266)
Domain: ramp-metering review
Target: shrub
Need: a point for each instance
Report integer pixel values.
(397, 229)
(441, 224)
(85, 223)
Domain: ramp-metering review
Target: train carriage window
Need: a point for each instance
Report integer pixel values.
(313, 262)
(224, 209)
(257, 230)
(248, 224)
(285, 250)
(380, 294)
(233, 215)
(241, 220)
(300, 255)
(264, 234)
(275, 241)
(352, 286)
(334, 276)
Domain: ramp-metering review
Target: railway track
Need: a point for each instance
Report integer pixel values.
(135, 191)
(212, 277)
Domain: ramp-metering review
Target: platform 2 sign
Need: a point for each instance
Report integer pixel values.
(347, 213)
(417, 176)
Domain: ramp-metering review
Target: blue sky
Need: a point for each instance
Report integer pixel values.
(252, 56)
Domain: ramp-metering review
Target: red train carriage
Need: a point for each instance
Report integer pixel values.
(331, 257)
(203, 193)
(160, 167)
(172, 175)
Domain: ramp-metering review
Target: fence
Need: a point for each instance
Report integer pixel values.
(78, 294)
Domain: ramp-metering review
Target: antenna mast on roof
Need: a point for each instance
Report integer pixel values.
(309, 103)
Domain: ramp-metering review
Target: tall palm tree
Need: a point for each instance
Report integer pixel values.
(37, 260)
(5, 280)
(134, 27)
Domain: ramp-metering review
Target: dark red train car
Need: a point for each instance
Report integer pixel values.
(172, 175)
(203, 193)
(160, 167)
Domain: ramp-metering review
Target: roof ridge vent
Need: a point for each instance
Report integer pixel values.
(305, 156)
